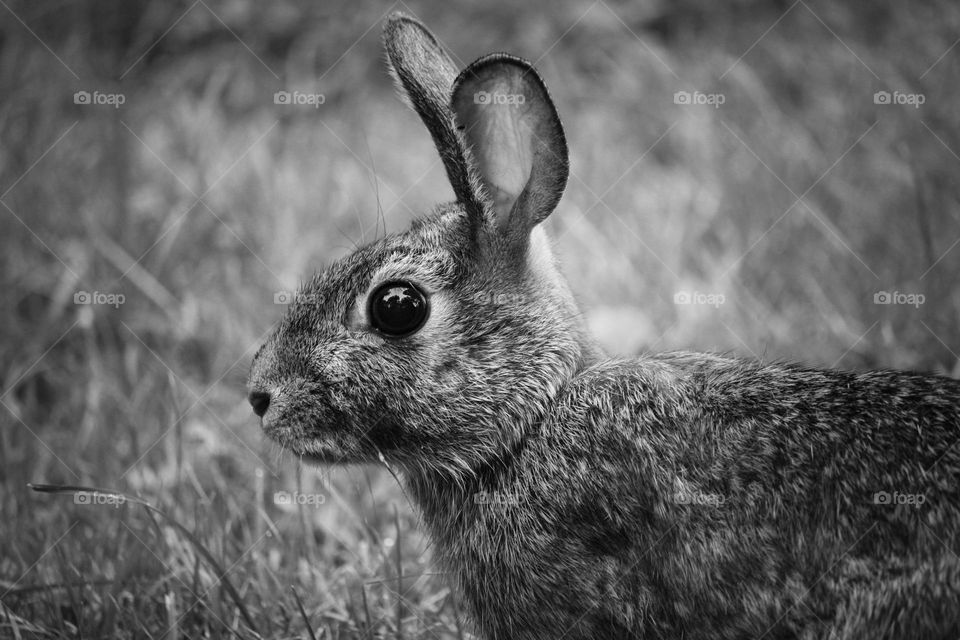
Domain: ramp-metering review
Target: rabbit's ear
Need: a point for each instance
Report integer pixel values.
(515, 136)
(425, 75)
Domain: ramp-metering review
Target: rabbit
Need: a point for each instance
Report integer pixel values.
(574, 495)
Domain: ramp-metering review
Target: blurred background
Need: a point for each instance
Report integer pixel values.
(775, 179)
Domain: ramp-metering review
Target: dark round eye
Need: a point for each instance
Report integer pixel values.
(398, 309)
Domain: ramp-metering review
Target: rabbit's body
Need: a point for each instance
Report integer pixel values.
(692, 496)
(573, 496)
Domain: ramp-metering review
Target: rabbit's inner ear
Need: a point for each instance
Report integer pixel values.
(516, 138)
(504, 157)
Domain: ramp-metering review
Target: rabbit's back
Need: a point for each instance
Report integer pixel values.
(785, 492)
(842, 446)
(704, 496)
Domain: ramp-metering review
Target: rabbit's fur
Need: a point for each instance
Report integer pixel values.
(571, 495)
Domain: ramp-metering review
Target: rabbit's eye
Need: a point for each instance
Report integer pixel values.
(398, 309)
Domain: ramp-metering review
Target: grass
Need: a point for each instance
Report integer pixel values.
(797, 200)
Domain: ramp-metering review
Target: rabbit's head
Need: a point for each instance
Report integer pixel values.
(438, 347)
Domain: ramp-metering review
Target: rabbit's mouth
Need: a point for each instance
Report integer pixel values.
(312, 448)
(320, 433)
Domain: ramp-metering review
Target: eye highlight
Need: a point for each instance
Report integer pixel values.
(398, 309)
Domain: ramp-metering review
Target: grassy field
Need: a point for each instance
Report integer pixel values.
(773, 179)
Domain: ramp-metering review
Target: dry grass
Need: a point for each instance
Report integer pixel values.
(198, 199)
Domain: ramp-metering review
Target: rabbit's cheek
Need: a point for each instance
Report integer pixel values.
(332, 367)
(450, 375)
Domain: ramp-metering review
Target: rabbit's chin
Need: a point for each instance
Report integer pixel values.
(317, 452)
(323, 458)
(320, 450)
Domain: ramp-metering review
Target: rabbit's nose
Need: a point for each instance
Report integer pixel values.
(260, 401)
